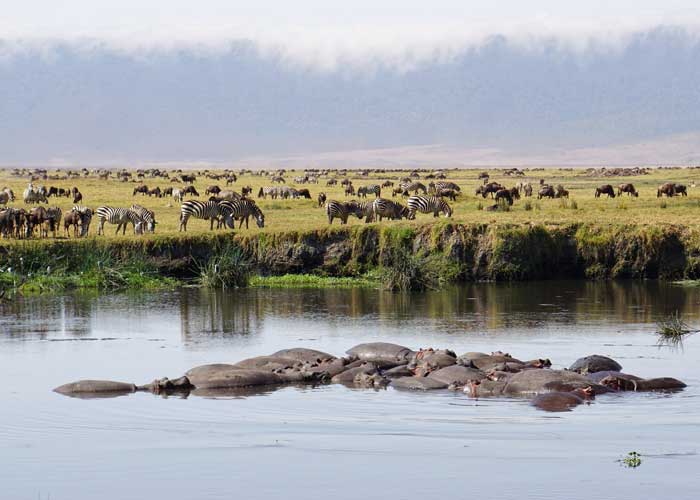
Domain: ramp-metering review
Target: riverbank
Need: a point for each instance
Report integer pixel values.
(397, 255)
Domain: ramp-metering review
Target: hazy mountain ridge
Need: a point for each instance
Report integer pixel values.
(101, 106)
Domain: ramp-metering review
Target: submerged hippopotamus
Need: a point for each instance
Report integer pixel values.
(378, 364)
(382, 353)
(563, 401)
(595, 363)
(95, 388)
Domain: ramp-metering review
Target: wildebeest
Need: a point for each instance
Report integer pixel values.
(190, 190)
(668, 189)
(627, 188)
(561, 192)
(188, 178)
(212, 190)
(505, 194)
(448, 193)
(680, 189)
(168, 191)
(155, 192)
(304, 193)
(246, 190)
(77, 196)
(605, 189)
(387, 184)
(321, 199)
(490, 188)
(349, 190)
(331, 182)
(142, 189)
(546, 192)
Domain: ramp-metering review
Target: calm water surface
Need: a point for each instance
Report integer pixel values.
(330, 441)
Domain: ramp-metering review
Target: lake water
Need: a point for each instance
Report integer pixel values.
(331, 441)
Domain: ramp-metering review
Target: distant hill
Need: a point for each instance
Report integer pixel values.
(499, 103)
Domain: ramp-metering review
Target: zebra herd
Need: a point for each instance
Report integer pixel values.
(224, 212)
(142, 219)
(381, 208)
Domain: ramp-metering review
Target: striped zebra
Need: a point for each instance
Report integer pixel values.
(122, 217)
(365, 190)
(426, 205)
(436, 187)
(381, 207)
(148, 217)
(270, 191)
(85, 218)
(413, 186)
(342, 210)
(243, 209)
(211, 210)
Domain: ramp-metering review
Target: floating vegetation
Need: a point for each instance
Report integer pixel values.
(671, 330)
(632, 460)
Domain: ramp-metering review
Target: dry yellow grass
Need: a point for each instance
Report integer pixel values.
(283, 215)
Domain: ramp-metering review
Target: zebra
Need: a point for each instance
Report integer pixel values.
(271, 191)
(243, 209)
(288, 192)
(211, 210)
(365, 190)
(414, 186)
(148, 217)
(426, 205)
(381, 207)
(119, 216)
(341, 210)
(178, 195)
(32, 195)
(436, 187)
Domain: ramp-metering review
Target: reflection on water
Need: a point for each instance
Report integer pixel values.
(219, 313)
(309, 442)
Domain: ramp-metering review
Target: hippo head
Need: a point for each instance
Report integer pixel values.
(585, 392)
(619, 383)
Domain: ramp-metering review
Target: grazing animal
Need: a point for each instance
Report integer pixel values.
(605, 189)
(435, 187)
(321, 199)
(381, 208)
(387, 184)
(246, 190)
(546, 192)
(142, 189)
(32, 195)
(680, 189)
(561, 192)
(504, 194)
(341, 210)
(207, 210)
(331, 182)
(190, 190)
(270, 191)
(86, 217)
(178, 195)
(243, 209)
(278, 179)
(363, 191)
(53, 219)
(147, 216)
(72, 218)
(627, 188)
(426, 205)
(188, 178)
(401, 191)
(450, 194)
(168, 191)
(10, 194)
(414, 187)
(668, 189)
(304, 193)
(155, 192)
(212, 190)
(491, 188)
(349, 190)
(4, 198)
(122, 217)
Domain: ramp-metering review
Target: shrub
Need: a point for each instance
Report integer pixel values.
(228, 268)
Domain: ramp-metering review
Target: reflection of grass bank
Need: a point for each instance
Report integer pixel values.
(313, 281)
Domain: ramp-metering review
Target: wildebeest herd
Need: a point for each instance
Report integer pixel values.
(422, 191)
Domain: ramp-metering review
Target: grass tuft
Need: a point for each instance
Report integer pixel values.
(228, 268)
(671, 330)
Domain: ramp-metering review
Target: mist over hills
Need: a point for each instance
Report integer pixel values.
(496, 102)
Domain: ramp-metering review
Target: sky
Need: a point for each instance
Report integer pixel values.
(314, 76)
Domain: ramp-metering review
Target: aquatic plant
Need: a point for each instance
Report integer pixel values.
(632, 460)
(671, 330)
(227, 268)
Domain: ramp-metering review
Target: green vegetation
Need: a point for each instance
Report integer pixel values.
(671, 330)
(632, 460)
(227, 267)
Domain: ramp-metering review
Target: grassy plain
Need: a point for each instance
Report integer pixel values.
(303, 214)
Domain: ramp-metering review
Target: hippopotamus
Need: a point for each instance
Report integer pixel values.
(223, 376)
(374, 380)
(485, 388)
(95, 388)
(496, 361)
(398, 371)
(384, 353)
(304, 355)
(541, 381)
(167, 386)
(563, 401)
(267, 363)
(417, 383)
(624, 382)
(457, 375)
(429, 360)
(347, 377)
(595, 363)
